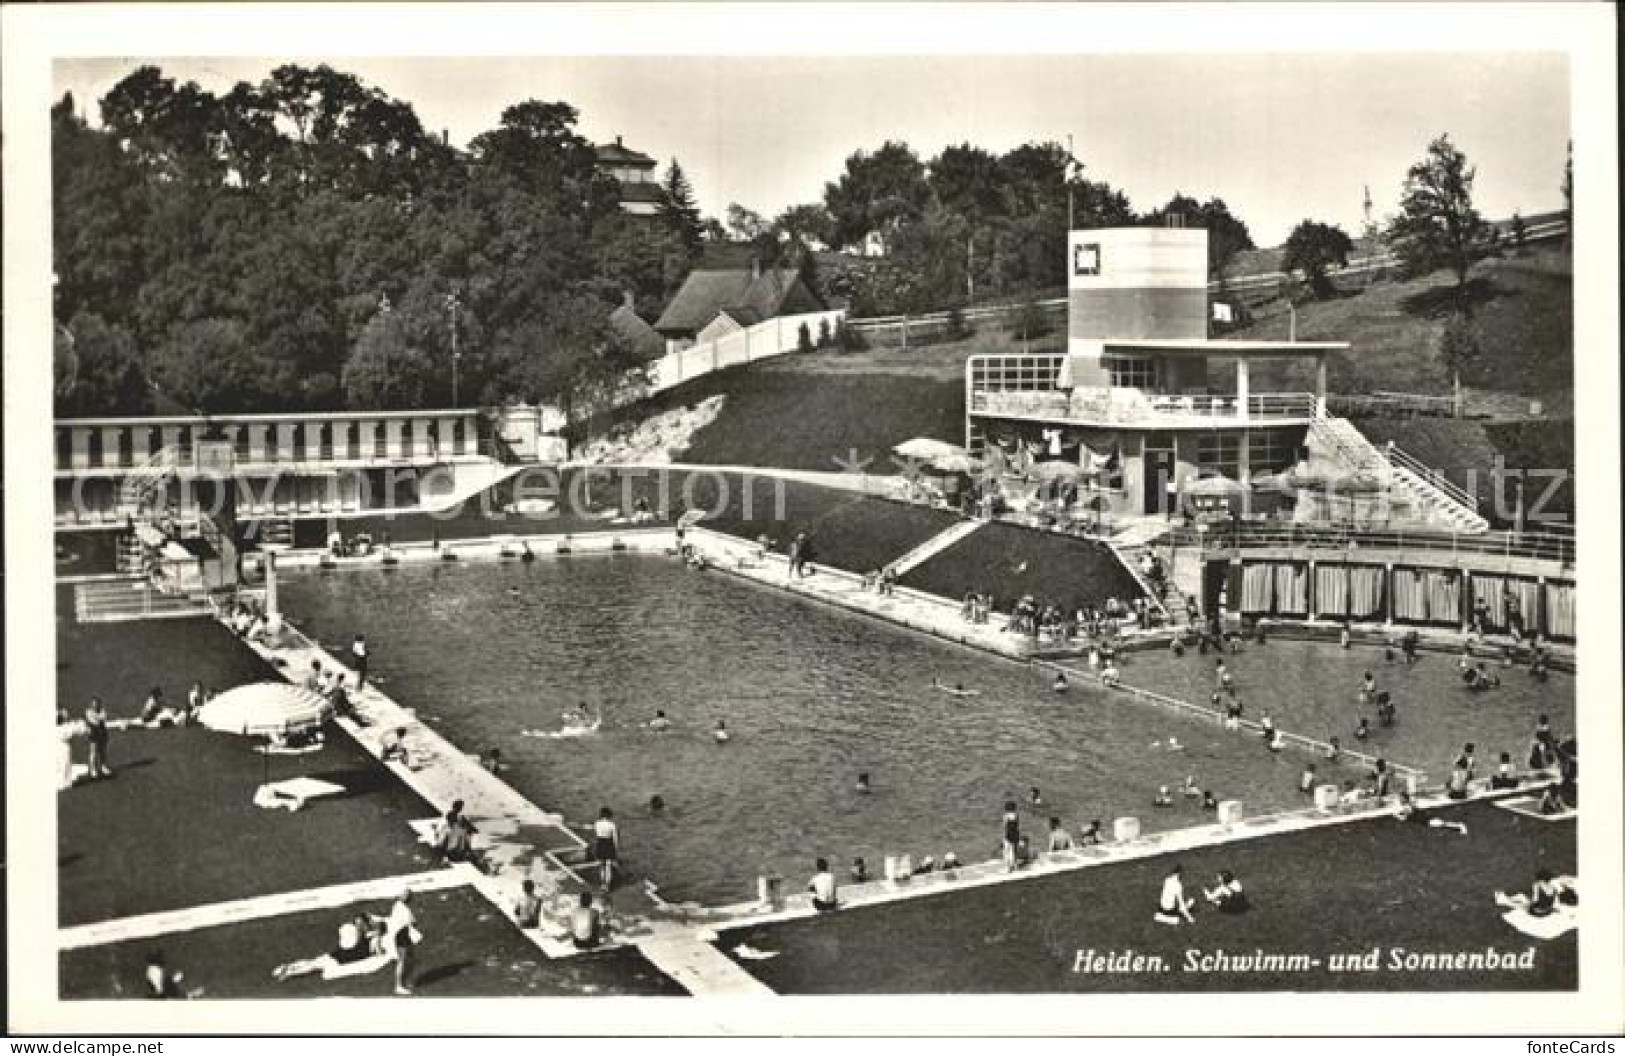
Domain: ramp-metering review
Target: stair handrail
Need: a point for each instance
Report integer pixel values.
(1398, 456)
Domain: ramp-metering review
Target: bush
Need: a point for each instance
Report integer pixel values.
(852, 339)
(957, 327)
(803, 339)
(1029, 320)
(823, 333)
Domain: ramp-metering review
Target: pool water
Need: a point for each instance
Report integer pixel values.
(1313, 688)
(490, 653)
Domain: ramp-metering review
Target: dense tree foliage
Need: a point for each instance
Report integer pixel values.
(232, 252)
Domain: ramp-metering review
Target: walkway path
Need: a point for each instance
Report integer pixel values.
(148, 925)
(936, 545)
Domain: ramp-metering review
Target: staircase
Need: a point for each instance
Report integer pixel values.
(130, 557)
(1422, 492)
(935, 545)
(1172, 603)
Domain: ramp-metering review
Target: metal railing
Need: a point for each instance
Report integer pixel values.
(1546, 545)
(1403, 459)
(1135, 406)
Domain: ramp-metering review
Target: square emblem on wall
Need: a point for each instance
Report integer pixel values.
(1086, 258)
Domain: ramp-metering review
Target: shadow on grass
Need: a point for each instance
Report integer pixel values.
(1436, 302)
(442, 973)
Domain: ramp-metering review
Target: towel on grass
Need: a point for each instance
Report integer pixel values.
(1563, 918)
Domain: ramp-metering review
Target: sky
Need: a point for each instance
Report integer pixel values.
(1280, 137)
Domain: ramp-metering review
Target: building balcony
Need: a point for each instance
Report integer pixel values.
(1136, 408)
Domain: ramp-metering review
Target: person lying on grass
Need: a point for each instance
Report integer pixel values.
(358, 941)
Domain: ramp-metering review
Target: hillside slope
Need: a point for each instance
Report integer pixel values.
(1523, 312)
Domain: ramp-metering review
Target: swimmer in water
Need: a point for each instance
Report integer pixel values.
(720, 734)
(1035, 798)
(526, 554)
(1209, 802)
(1061, 684)
(513, 592)
(1191, 790)
(1363, 730)
(1277, 742)
(863, 782)
(660, 722)
(657, 804)
(1174, 745)
(957, 689)
(1162, 798)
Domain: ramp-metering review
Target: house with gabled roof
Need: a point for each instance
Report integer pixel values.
(716, 301)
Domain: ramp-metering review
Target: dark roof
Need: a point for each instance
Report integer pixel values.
(706, 292)
(615, 154)
(641, 192)
(637, 333)
(742, 316)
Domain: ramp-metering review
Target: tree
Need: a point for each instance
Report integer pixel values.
(387, 370)
(1312, 248)
(677, 208)
(1227, 235)
(746, 225)
(565, 352)
(876, 192)
(1437, 226)
(205, 365)
(97, 371)
(1458, 350)
(1520, 232)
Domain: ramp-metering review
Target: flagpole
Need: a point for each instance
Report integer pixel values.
(1067, 170)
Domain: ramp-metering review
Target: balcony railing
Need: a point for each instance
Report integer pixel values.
(1134, 407)
(1552, 543)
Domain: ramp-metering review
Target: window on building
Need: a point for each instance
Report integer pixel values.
(1270, 450)
(1015, 373)
(241, 443)
(1132, 372)
(1219, 454)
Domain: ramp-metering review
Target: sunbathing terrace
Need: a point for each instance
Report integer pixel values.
(982, 890)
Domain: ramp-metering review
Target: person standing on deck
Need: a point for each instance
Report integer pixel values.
(402, 937)
(97, 733)
(358, 661)
(1012, 835)
(606, 846)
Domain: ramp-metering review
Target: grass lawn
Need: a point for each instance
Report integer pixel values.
(1011, 561)
(1466, 453)
(176, 826)
(1347, 889)
(778, 416)
(855, 532)
(1523, 312)
(469, 950)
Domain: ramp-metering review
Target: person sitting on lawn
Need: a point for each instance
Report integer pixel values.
(1172, 905)
(1542, 899)
(353, 946)
(1090, 836)
(586, 923)
(1228, 896)
(1059, 838)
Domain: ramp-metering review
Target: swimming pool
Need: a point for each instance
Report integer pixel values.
(492, 653)
(1313, 688)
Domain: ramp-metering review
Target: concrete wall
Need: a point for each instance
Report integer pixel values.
(1137, 283)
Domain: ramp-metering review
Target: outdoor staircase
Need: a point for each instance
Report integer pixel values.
(1172, 603)
(1422, 492)
(276, 532)
(130, 556)
(936, 545)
